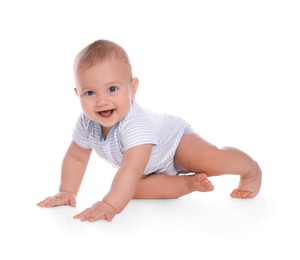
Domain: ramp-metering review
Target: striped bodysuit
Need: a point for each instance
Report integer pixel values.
(139, 127)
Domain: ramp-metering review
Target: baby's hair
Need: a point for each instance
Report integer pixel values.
(99, 51)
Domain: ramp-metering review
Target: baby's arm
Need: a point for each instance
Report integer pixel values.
(123, 187)
(72, 172)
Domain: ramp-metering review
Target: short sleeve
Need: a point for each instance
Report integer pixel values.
(138, 131)
(80, 133)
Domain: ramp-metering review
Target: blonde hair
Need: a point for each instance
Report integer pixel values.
(99, 51)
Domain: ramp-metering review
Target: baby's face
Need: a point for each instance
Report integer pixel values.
(106, 91)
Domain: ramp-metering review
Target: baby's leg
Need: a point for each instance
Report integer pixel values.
(161, 186)
(196, 155)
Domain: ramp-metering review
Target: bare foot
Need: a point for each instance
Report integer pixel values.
(199, 182)
(249, 186)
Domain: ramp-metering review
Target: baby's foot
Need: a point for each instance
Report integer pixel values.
(199, 182)
(249, 186)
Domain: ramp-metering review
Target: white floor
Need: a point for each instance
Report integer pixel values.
(231, 69)
(210, 225)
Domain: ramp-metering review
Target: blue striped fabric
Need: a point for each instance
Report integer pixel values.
(140, 126)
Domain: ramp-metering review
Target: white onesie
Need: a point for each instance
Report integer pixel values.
(140, 126)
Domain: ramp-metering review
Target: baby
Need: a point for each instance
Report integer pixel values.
(151, 151)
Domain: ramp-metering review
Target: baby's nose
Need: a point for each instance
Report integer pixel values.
(102, 100)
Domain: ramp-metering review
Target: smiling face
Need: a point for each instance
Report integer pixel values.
(106, 90)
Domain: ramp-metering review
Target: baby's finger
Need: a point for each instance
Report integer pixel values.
(96, 216)
(108, 218)
(41, 203)
(79, 214)
(84, 215)
(72, 202)
(52, 202)
(45, 202)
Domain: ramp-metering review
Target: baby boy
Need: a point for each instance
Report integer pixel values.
(151, 151)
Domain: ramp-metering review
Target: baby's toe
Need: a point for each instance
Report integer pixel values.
(240, 194)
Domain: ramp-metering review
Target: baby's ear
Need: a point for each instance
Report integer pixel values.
(134, 87)
(76, 91)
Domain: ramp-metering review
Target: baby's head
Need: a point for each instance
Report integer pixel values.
(100, 51)
(104, 83)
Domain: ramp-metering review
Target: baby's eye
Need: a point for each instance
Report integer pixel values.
(89, 93)
(112, 89)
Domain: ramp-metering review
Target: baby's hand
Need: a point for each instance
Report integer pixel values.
(100, 210)
(60, 199)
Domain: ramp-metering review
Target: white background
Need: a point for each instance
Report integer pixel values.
(230, 68)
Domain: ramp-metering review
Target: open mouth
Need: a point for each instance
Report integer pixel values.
(106, 113)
